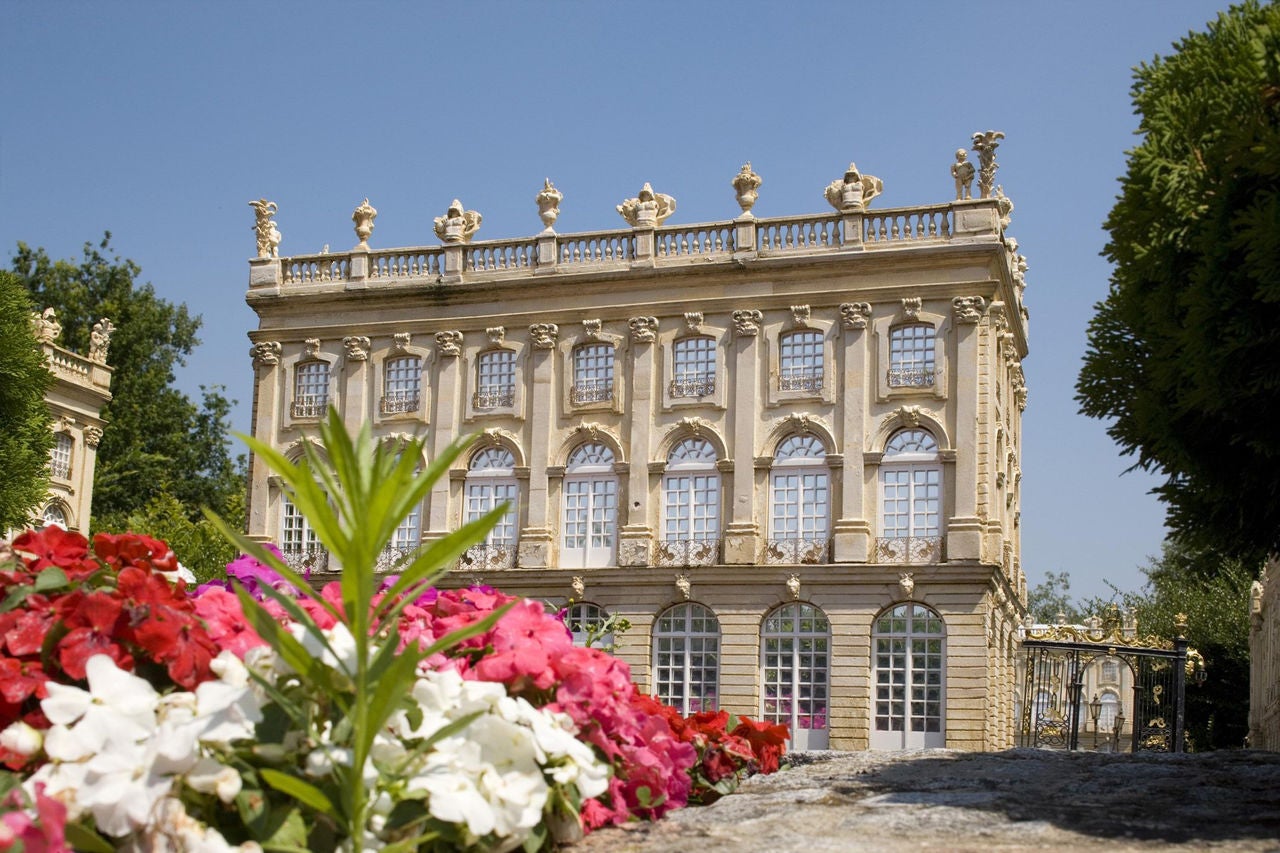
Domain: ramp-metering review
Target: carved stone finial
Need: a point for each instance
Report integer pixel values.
(449, 344)
(911, 307)
(544, 335)
(265, 353)
(746, 182)
(548, 199)
(685, 587)
(1180, 625)
(644, 330)
(855, 315)
(46, 325)
(793, 586)
(962, 170)
(592, 329)
(907, 583)
(579, 586)
(496, 335)
(265, 228)
(968, 309)
(100, 340)
(92, 435)
(800, 315)
(363, 217)
(357, 347)
(457, 225)
(311, 347)
(1005, 206)
(400, 341)
(854, 191)
(693, 320)
(747, 322)
(648, 208)
(985, 144)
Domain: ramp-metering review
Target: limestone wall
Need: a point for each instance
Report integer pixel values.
(1264, 660)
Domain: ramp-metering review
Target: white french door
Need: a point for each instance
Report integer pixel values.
(909, 673)
(590, 521)
(795, 646)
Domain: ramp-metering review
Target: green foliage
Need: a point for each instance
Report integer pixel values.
(199, 545)
(1184, 353)
(1051, 598)
(157, 442)
(26, 435)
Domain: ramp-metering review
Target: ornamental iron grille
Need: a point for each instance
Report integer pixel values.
(911, 356)
(310, 389)
(911, 500)
(592, 373)
(490, 483)
(1062, 663)
(909, 675)
(799, 502)
(691, 506)
(795, 658)
(694, 372)
(686, 658)
(401, 385)
(800, 361)
(60, 456)
(495, 379)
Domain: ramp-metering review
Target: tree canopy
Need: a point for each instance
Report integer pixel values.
(26, 435)
(1184, 353)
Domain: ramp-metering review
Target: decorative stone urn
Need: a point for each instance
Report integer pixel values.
(363, 218)
(746, 182)
(549, 204)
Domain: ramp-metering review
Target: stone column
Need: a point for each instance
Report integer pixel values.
(535, 539)
(445, 428)
(355, 396)
(851, 533)
(964, 528)
(635, 539)
(742, 534)
(267, 409)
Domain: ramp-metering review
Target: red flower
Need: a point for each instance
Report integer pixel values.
(53, 546)
(768, 741)
(133, 549)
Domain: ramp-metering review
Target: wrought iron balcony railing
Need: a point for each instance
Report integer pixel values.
(592, 391)
(309, 407)
(60, 469)
(304, 560)
(800, 380)
(702, 386)
(493, 396)
(785, 552)
(911, 377)
(686, 552)
(909, 549)
(399, 402)
(395, 557)
(491, 555)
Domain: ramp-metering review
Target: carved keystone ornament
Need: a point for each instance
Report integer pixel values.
(644, 330)
(543, 335)
(747, 322)
(855, 315)
(449, 343)
(357, 347)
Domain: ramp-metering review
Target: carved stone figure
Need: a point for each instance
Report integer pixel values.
(363, 217)
(92, 435)
(747, 322)
(801, 421)
(311, 347)
(579, 586)
(265, 353)
(46, 325)
(746, 182)
(985, 144)
(693, 320)
(543, 335)
(908, 415)
(1005, 205)
(793, 586)
(968, 309)
(962, 170)
(449, 344)
(496, 334)
(855, 315)
(907, 583)
(800, 315)
(854, 191)
(592, 329)
(457, 225)
(100, 340)
(357, 347)
(265, 228)
(400, 341)
(549, 205)
(648, 208)
(685, 587)
(693, 424)
(911, 307)
(644, 330)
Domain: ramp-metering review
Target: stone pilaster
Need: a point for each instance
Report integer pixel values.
(851, 533)
(964, 528)
(446, 428)
(268, 391)
(355, 394)
(636, 536)
(742, 534)
(535, 539)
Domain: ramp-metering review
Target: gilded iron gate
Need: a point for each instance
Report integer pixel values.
(1061, 662)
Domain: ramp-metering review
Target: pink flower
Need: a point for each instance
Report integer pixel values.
(45, 833)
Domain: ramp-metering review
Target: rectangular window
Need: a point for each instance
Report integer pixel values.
(60, 456)
(593, 373)
(800, 362)
(694, 368)
(401, 387)
(495, 379)
(911, 356)
(482, 497)
(310, 389)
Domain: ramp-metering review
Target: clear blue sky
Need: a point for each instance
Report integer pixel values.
(160, 121)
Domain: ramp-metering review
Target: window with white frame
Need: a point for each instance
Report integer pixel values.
(694, 367)
(795, 644)
(911, 356)
(909, 675)
(401, 384)
(801, 361)
(799, 502)
(491, 481)
(690, 506)
(686, 658)
(1111, 671)
(495, 379)
(54, 515)
(299, 544)
(592, 373)
(585, 622)
(1110, 709)
(590, 498)
(310, 389)
(910, 499)
(60, 456)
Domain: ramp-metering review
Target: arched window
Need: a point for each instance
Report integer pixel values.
(799, 502)
(911, 499)
(310, 389)
(686, 658)
(592, 373)
(401, 384)
(911, 356)
(298, 542)
(495, 379)
(690, 506)
(909, 678)
(801, 361)
(54, 515)
(795, 658)
(1110, 709)
(60, 456)
(491, 481)
(585, 621)
(694, 369)
(590, 508)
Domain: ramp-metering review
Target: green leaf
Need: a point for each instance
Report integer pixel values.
(81, 838)
(50, 579)
(303, 792)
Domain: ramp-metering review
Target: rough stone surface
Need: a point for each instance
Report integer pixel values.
(1015, 800)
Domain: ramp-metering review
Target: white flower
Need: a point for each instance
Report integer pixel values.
(121, 788)
(227, 709)
(213, 777)
(340, 652)
(175, 831)
(117, 704)
(22, 738)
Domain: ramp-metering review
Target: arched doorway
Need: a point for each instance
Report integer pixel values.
(909, 675)
(795, 664)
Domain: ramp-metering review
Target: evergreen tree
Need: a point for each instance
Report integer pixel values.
(26, 435)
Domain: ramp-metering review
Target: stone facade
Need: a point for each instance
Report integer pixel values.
(1264, 659)
(785, 449)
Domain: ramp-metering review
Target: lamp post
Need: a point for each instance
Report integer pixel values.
(1095, 709)
(1115, 732)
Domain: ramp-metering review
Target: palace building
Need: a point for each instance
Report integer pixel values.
(785, 450)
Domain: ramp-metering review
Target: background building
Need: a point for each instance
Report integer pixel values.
(786, 450)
